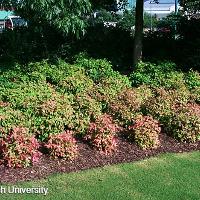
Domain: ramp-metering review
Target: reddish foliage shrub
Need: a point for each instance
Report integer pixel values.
(127, 103)
(17, 149)
(85, 110)
(194, 108)
(184, 124)
(101, 134)
(4, 104)
(52, 116)
(145, 132)
(62, 145)
(195, 94)
(165, 102)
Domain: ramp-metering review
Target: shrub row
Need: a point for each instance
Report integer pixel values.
(19, 149)
(51, 103)
(165, 75)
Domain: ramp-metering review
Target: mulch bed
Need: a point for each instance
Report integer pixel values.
(89, 158)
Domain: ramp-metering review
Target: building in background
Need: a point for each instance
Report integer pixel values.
(160, 9)
(3, 15)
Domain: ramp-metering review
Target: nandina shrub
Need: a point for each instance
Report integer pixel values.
(12, 118)
(195, 94)
(62, 145)
(86, 109)
(96, 69)
(163, 104)
(108, 87)
(192, 79)
(17, 149)
(158, 75)
(184, 124)
(194, 108)
(145, 132)
(52, 116)
(125, 105)
(26, 95)
(3, 104)
(76, 83)
(101, 134)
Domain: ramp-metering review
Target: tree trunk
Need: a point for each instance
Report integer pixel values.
(137, 49)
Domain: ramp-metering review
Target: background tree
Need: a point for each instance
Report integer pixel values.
(64, 15)
(190, 6)
(109, 4)
(139, 21)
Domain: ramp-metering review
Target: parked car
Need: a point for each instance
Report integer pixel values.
(11, 22)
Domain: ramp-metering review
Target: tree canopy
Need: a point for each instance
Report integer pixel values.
(191, 6)
(66, 16)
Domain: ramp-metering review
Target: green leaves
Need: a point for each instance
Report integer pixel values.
(163, 74)
(66, 16)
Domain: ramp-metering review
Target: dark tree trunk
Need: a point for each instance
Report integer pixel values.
(137, 49)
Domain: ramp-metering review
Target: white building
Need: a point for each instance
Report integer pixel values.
(161, 9)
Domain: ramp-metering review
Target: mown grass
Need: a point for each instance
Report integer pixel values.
(169, 176)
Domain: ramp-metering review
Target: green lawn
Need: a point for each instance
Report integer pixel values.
(169, 176)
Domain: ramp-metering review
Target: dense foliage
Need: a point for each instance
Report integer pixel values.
(62, 145)
(66, 16)
(101, 134)
(145, 132)
(54, 103)
(17, 149)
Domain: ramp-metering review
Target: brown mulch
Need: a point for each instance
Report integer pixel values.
(89, 158)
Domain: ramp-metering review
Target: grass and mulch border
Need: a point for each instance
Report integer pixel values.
(165, 177)
(89, 158)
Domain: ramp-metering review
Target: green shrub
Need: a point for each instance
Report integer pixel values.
(26, 95)
(192, 79)
(37, 77)
(195, 94)
(14, 76)
(10, 118)
(17, 149)
(184, 124)
(101, 134)
(162, 105)
(76, 83)
(85, 109)
(145, 132)
(108, 88)
(62, 146)
(52, 116)
(127, 103)
(96, 69)
(112, 85)
(173, 80)
(53, 73)
(163, 74)
(24, 73)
